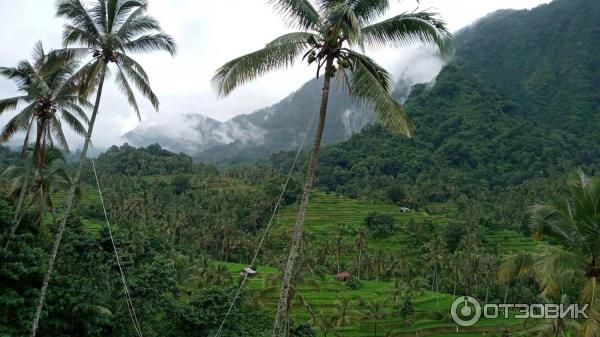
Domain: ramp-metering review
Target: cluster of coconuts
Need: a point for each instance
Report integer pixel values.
(46, 107)
(109, 57)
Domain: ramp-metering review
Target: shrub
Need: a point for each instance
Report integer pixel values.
(354, 283)
(381, 224)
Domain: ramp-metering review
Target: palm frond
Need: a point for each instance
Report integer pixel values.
(133, 64)
(409, 28)
(19, 75)
(552, 266)
(368, 10)
(141, 83)
(20, 122)
(38, 54)
(78, 14)
(11, 103)
(137, 23)
(73, 122)
(151, 43)
(341, 16)
(371, 86)
(123, 84)
(120, 10)
(515, 266)
(74, 35)
(279, 54)
(76, 110)
(57, 131)
(297, 13)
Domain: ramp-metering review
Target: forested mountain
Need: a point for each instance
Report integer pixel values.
(519, 103)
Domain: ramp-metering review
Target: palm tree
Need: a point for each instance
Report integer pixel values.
(574, 225)
(375, 312)
(399, 288)
(344, 313)
(324, 323)
(50, 178)
(328, 35)
(50, 95)
(435, 253)
(39, 183)
(378, 263)
(109, 31)
(49, 85)
(360, 244)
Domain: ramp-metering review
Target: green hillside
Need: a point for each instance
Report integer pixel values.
(514, 111)
(329, 213)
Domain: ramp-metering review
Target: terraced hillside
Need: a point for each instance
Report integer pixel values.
(328, 213)
(431, 317)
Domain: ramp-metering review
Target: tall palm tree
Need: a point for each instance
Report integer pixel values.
(328, 35)
(324, 323)
(344, 313)
(435, 254)
(109, 31)
(573, 223)
(375, 312)
(399, 288)
(49, 87)
(40, 183)
(360, 244)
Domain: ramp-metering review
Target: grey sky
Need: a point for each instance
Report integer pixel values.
(209, 33)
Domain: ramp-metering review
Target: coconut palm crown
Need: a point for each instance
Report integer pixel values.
(50, 94)
(330, 32)
(110, 31)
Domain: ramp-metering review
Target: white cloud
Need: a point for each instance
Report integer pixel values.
(208, 34)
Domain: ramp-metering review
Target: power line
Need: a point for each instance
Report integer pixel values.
(262, 239)
(130, 307)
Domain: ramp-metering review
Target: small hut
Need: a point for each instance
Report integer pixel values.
(248, 272)
(343, 276)
(404, 209)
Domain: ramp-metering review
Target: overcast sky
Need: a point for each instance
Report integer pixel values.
(208, 33)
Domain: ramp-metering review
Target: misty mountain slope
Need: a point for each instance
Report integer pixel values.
(519, 106)
(279, 127)
(283, 125)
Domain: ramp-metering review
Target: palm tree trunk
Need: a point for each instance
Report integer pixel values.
(26, 140)
(37, 152)
(17, 217)
(68, 206)
(310, 179)
(359, 257)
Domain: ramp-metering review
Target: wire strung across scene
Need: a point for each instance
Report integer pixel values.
(130, 307)
(275, 209)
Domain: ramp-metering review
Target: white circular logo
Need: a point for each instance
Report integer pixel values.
(465, 311)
